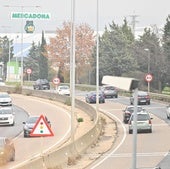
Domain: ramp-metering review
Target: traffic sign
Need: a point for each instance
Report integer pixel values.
(56, 80)
(29, 71)
(148, 77)
(41, 128)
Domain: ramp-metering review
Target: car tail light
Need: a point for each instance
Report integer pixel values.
(147, 96)
(150, 122)
(128, 113)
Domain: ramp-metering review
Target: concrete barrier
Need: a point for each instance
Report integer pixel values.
(61, 157)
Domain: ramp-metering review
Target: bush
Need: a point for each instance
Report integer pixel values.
(80, 119)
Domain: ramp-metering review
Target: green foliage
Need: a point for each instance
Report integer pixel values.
(6, 45)
(18, 88)
(166, 90)
(80, 119)
(37, 61)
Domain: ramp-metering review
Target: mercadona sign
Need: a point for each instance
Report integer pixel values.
(28, 15)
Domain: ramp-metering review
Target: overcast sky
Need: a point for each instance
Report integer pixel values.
(149, 12)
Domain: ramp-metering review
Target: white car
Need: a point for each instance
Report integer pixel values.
(168, 112)
(7, 116)
(5, 99)
(144, 122)
(63, 90)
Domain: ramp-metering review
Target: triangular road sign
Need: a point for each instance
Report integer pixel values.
(41, 128)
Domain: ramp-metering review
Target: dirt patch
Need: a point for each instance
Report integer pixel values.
(103, 144)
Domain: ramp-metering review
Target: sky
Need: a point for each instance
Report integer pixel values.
(147, 12)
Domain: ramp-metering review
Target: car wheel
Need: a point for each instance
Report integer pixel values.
(13, 157)
(150, 131)
(130, 131)
(116, 96)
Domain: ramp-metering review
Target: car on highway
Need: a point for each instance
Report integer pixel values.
(30, 123)
(7, 116)
(142, 98)
(91, 97)
(127, 112)
(168, 111)
(5, 99)
(41, 84)
(63, 90)
(109, 91)
(144, 123)
(7, 150)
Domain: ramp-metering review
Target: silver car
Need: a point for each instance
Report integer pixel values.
(7, 116)
(5, 99)
(109, 91)
(144, 122)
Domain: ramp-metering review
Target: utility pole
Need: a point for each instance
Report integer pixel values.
(133, 23)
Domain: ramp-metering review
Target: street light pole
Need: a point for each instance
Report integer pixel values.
(148, 52)
(97, 58)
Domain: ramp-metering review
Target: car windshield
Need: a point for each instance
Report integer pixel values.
(142, 94)
(4, 96)
(142, 117)
(64, 87)
(131, 109)
(5, 111)
(32, 119)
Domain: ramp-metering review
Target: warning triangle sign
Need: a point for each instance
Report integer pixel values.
(41, 128)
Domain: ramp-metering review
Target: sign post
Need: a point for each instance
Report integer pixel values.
(29, 71)
(148, 78)
(56, 81)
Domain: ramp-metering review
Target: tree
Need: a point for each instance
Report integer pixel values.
(6, 46)
(115, 50)
(43, 60)
(166, 38)
(149, 53)
(59, 49)
(37, 60)
(32, 61)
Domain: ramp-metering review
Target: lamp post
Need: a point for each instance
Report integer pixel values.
(148, 51)
(22, 59)
(16, 61)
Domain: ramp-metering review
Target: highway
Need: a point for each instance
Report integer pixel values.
(151, 147)
(28, 148)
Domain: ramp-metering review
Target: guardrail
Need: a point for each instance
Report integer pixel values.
(61, 157)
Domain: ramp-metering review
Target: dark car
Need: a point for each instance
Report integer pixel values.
(109, 91)
(142, 98)
(91, 97)
(30, 123)
(7, 150)
(127, 112)
(41, 84)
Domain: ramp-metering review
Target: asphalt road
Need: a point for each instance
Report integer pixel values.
(152, 148)
(29, 148)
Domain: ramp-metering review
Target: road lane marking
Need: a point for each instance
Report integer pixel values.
(122, 141)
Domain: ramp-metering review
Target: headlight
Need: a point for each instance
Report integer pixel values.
(26, 127)
(1, 152)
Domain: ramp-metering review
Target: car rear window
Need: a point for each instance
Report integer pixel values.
(142, 117)
(109, 88)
